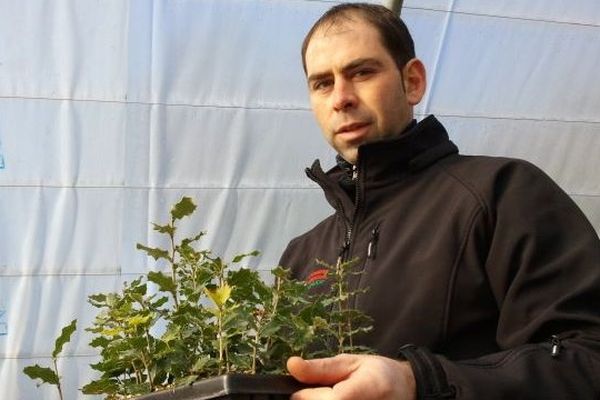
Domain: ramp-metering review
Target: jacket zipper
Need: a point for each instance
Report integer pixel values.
(557, 342)
(556, 346)
(372, 247)
(357, 197)
(345, 247)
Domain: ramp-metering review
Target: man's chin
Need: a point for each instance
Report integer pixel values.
(350, 155)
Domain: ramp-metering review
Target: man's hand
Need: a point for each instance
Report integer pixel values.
(350, 377)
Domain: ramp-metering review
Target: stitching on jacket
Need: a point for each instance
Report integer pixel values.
(477, 211)
(454, 274)
(508, 357)
(468, 187)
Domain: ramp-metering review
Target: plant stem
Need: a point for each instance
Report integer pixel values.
(138, 376)
(254, 354)
(58, 384)
(220, 333)
(340, 280)
(349, 327)
(147, 368)
(149, 349)
(274, 306)
(258, 327)
(223, 356)
(173, 267)
(227, 363)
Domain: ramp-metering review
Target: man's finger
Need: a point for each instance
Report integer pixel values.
(322, 393)
(323, 371)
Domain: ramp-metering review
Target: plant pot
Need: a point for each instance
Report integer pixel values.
(233, 387)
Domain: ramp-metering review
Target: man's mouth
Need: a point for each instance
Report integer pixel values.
(353, 127)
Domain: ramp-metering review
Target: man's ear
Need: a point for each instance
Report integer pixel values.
(415, 81)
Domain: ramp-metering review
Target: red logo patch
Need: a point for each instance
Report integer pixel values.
(317, 277)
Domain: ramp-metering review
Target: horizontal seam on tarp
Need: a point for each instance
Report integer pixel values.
(33, 357)
(507, 118)
(553, 21)
(195, 188)
(474, 14)
(218, 106)
(261, 108)
(47, 274)
(101, 274)
(51, 186)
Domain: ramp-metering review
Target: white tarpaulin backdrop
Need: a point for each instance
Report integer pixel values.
(111, 110)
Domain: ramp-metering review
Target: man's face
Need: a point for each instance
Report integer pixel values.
(356, 90)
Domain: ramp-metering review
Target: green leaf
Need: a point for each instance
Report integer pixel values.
(172, 333)
(138, 342)
(169, 229)
(270, 329)
(235, 322)
(112, 332)
(248, 285)
(160, 302)
(187, 380)
(99, 387)
(240, 257)
(43, 373)
(182, 209)
(188, 241)
(280, 272)
(97, 300)
(155, 253)
(100, 341)
(64, 337)
(201, 363)
(138, 320)
(112, 299)
(164, 282)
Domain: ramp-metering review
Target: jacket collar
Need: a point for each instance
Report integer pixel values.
(412, 151)
(380, 163)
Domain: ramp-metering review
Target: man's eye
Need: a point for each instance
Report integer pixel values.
(322, 85)
(363, 72)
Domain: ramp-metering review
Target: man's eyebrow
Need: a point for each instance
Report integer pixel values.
(361, 62)
(317, 76)
(348, 67)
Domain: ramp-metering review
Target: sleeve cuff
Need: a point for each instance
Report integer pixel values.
(429, 375)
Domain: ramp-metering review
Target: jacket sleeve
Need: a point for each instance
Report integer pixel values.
(543, 265)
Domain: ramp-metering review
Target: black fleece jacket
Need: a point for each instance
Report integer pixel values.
(480, 271)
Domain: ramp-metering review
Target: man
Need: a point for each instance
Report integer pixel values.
(483, 275)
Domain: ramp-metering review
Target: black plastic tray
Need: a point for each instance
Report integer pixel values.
(233, 387)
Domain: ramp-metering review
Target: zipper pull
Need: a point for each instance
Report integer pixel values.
(372, 247)
(354, 172)
(344, 248)
(555, 342)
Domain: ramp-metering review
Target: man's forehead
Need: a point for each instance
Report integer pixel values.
(359, 40)
(342, 23)
(335, 27)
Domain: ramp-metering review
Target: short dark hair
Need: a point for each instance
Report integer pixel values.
(394, 34)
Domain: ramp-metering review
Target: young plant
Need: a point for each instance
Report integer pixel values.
(51, 375)
(345, 322)
(202, 317)
(129, 363)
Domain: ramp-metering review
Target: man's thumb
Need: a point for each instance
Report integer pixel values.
(323, 371)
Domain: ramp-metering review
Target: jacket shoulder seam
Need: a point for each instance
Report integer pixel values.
(470, 188)
(454, 273)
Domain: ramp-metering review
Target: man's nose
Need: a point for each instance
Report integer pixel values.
(344, 96)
